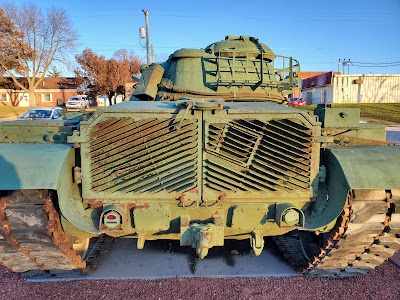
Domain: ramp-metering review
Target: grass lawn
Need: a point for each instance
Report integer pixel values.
(388, 114)
(11, 111)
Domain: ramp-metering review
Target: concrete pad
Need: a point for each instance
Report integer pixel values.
(392, 128)
(166, 259)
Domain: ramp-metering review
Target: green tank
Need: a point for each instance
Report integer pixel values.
(205, 151)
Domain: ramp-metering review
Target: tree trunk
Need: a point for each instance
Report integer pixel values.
(110, 95)
(32, 97)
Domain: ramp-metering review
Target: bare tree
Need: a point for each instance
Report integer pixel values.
(110, 75)
(49, 35)
(162, 57)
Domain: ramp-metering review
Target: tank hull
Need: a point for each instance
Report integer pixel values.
(205, 151)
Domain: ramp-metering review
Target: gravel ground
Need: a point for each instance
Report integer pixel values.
(382, 283)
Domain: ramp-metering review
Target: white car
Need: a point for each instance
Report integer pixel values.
(42, 113)
(77, 102)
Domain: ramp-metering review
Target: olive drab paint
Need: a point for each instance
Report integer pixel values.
(207, 150)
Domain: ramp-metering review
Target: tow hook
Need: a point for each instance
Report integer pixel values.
(202, 237)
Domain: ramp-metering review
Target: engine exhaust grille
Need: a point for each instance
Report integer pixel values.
(250, 155)
(148, 155)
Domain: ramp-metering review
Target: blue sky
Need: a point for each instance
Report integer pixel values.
(316, 33)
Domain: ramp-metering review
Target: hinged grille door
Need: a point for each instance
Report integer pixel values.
(252, 157)
(143, 156)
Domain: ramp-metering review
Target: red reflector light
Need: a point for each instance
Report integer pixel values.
(111, 217)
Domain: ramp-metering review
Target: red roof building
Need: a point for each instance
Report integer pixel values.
(52, 91)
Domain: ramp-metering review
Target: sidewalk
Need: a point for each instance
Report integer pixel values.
(393, 128)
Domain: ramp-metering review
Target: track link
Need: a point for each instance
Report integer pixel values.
(32, 240)
(365, 235)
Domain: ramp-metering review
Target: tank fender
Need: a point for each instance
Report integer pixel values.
(369, 167)
(33, 166)
(46, 166)
(352, 168)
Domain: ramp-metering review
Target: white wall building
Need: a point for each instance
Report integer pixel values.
(352, 88)
(103, 100)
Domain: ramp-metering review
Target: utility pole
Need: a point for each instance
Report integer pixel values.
(344, 63)
(146, 14)
(152, 54)
(348, 67)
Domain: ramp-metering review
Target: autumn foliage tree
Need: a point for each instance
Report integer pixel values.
(49, 37)
(12, 50)
(129, 64)
(12, 46)
(109, 75)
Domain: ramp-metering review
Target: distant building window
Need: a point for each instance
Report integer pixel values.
(3, 98)
(46, 98)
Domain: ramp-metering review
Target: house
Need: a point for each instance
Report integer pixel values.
(305, 75)
(52, 91)
(104, 100)
(332, 87)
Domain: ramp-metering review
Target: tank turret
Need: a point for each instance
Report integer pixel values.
(236, 69)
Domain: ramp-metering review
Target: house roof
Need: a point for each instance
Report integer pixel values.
(319, 80)
(47, 83)
(308, 74)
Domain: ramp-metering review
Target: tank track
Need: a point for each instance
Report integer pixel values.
(32, 241)
(365, 235)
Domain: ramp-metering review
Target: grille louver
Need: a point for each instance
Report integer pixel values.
(148, 155)
(250, 155)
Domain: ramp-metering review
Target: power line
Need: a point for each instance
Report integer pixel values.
(376, 63)
(376, 66)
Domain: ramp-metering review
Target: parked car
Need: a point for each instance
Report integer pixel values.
(297, 102)
(77, 102)
(46, 113)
